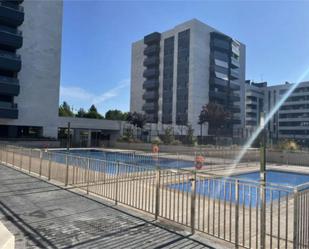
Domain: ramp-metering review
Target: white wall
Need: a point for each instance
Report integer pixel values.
(40, 74)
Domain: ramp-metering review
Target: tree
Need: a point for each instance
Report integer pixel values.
(116, 115)
(65, 110)
(215, 115)
(81, 113)
(137, 119)
(190, 135)
(93, 113)
(168, 137)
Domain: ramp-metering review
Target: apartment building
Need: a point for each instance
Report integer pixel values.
(30, 51)
(174, 73)
(291, 121)
(254, 105)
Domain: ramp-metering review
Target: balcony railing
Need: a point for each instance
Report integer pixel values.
(150, 95)
(150, 107)
(151, 73)
(152, 49)
(11, 38)
(151, 84)
(9, 61)
(11, 14)
(152, 38)
(150, 61)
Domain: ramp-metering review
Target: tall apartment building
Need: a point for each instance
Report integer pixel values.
(30, 51)
(176, 72)
(291, 121)
(254, 105)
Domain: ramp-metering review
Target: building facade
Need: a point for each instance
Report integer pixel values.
(291, 121)
(175, 73)
(30, 44)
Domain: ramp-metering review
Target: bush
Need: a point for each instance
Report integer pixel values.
(156, 140)
(168, 136)
(288, 145)
(176, 142)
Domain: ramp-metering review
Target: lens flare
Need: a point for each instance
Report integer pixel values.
(268, 117)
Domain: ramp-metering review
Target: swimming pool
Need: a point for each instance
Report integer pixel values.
(249, 192)
(126, 158)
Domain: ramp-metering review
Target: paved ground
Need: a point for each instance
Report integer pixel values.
(42, 215)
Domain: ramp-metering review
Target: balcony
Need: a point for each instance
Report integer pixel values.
(152, 118)
(150, 107)
(234, 74)
(152, 38)
(234, 63)
(152, 50)
(220, 95)
(9, 86)
(8, 110)
(234, 85)
(151, 73)
(151, 61)
(151, 84)
(11, 14)
(150, 95)
(9, 61)
(234, 97)
(10, 38)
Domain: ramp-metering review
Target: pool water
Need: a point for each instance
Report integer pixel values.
(249, 193)
(127, 158)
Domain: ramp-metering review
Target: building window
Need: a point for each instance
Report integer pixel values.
(182, 77)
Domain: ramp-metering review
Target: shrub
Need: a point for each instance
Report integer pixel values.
(176, 142)
(168, 136)
(156, 140)
(288, 145)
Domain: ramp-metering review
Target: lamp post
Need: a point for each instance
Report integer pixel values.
(263, 180)
(69, 137)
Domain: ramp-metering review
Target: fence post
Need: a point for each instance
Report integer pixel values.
(193, 196)
(49, 166)
(88, 174)
(117, 182)
(41, 159)
(295, 219)
(67, 170)
(236, 213)
(13, 159)
(157, 200)
(30, 155)
(6, 155)
(21, 158)
(262, 216)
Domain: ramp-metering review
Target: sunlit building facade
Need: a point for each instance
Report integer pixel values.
(176, 72)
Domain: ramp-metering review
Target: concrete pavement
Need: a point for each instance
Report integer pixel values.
(42, 215)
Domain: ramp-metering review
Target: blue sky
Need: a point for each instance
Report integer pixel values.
(97, 37)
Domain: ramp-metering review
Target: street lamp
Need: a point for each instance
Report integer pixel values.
(263, 180)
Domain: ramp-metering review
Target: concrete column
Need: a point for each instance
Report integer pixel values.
(89, 138)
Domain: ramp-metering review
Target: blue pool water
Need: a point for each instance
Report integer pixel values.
(127, 158)
(249, 195)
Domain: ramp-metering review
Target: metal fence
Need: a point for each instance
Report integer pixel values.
(245, 213)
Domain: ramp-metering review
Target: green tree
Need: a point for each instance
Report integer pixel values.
(168, 136)
(93, 113)
(116, 115)
(215, 115)
(81, 113)
(190, 135)
(137, 119)
(65, 110)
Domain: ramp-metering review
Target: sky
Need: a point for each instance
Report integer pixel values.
(97, 38)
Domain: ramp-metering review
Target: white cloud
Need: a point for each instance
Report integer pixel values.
(74, 94)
